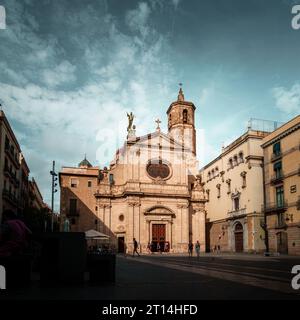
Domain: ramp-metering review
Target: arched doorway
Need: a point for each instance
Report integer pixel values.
(239, 237)
(282, 242)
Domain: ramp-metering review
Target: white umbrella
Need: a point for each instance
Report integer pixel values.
(96, 235)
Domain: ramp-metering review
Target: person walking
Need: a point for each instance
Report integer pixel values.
(149, 247)
(197, 248)
(135, 247)
(190, 248)
(158, 247)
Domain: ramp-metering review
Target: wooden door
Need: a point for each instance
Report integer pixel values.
(239, 238)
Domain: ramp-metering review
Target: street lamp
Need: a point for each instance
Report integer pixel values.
(54, 190)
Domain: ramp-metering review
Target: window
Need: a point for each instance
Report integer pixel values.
(73, 207)
(96, 208)
(280, 219)
(243, 175)
(212, 173)
(241, 157)
(235, 160)
(111, 178)
(279, 197)
(209, 175)
(228, 181)
(276, 149)
(278, 169)
(74, 183)
(219, 190)
(185, 114)
(217, 171)
(89, 184)
(121, 217)
(230, 164)
(236, 204)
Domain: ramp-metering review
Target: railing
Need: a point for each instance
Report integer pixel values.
(276, 156)
(275, 207)
(10, 196)
(13, 156)
(73, 213)
(236, 213)
(132, 187)
(277, 178)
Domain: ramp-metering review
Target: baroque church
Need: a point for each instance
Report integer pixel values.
(151, 191)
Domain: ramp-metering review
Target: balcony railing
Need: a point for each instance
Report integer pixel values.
(275, 207)
(276, 156)
(10, 197)
(237, 213)
(277, 178)
(73, 213)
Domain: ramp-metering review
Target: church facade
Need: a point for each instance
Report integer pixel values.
(151, 191)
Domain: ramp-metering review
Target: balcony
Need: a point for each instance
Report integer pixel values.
(13, 156)
(73, 213)
(275, 207)
(10, 197)
(277, 178)
(6, 171)
(237, 213)
(276, 156)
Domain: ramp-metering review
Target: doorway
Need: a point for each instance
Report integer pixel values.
(282, 242)
(158, 237)
(121, 244)
(239, 237)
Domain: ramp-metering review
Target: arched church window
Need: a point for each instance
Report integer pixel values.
(185, 115)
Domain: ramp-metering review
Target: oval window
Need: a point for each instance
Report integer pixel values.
(158, 170)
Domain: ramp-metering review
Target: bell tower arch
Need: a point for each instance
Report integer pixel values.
(181, 122)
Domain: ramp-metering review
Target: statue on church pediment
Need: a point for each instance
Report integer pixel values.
(130, 117)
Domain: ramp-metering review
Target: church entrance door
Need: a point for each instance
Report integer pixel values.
(121, 245)
(158, 237)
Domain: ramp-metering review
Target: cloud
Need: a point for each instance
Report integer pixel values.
(175, 3)
(67, 94)
(64, 72)
(137, 19)
(287, 100)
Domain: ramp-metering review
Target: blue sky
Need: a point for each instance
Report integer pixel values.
(70, 70)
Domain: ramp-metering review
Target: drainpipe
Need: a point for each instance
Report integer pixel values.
(265, 204)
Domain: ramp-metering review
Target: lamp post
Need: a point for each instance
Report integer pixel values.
(54, 184)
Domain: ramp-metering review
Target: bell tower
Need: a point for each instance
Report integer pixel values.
(181, 122)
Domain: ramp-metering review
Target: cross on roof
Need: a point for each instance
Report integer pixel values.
(158, 123)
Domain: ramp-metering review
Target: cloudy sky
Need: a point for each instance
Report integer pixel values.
(70, 70)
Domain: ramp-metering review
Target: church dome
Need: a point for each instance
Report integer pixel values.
(84, 163)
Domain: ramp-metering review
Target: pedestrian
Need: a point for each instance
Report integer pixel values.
(14, 235)
(197, 248)
(149, 248)
(135, 247)
(158, 247)
(152, 247)
(190, 249)
(166, 246)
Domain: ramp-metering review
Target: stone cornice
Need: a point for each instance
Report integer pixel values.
(281, 136)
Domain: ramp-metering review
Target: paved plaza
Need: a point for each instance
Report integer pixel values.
(165, 276)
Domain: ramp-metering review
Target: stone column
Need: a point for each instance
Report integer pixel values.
(199, 230)
(183, 226)
(133, 223)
